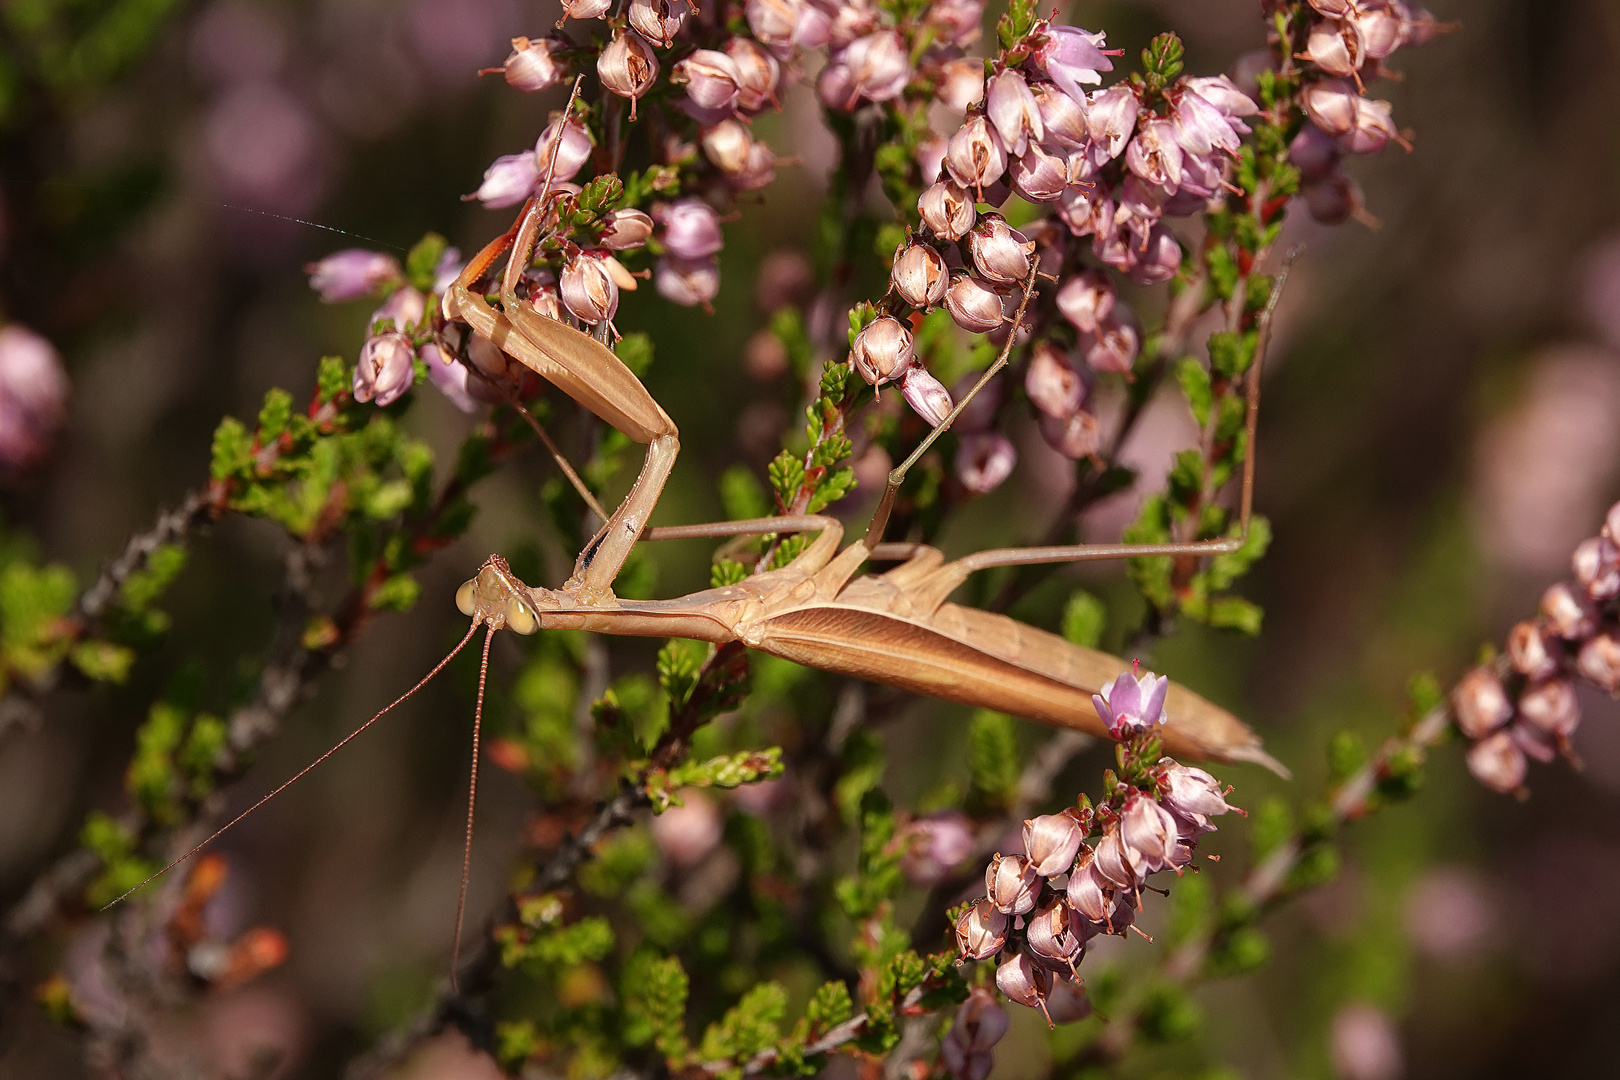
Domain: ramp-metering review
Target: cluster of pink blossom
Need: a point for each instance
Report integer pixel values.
(33, 398)
(1348, 44)
(1042, 907)
(1526, 708)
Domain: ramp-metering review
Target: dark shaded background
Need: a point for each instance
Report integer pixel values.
(1442, 425)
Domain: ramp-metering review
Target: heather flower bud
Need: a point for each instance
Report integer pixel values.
(531, 67)
(1193, 792)
(1111, 117)
(1012, 109)
(33, 398)
(957, 22)
(691, 228)
(773, 22)
(688, 282)
(449, 375)
(1075, 436)
(1072, 58)
(981, 931)
(351, 274)
(975, 306)
(1039, 176)
(934, 846)
(1529, 651)
(1087, 299)
(385, 369)
(727, 145)
(1568, 612)
(1114, 345)
(1599, 661)
(1111, 863)
(879, 65)
(1011, 884)
(404, 308)
(1596, 563)
(1023, 980)
(1332, 199)
(586, 9)
(570, 140)
(758, 73)
(625, 229)
(1132, 704)
(486, 358)
(1001, 254)
(1498, 763)
(975, 156)
(1372, 129)
(1067, 1002)
(1314, 153)
(947, 210)
(710, 78)
(658, 20)
(980, 1022)
(1550, 707)
(961, 83)
(1052, 840)
(1053, 383)
(919, 275)
(1336, 46)
(1148, 832)
(1380, 29)
(1479, 703)
(882, 350)
(1088, 892)
(926, 395)
(588, 288)
(628, 67)
(1054, 935)
(1159, 258)
(984, 460)
(1331, 105)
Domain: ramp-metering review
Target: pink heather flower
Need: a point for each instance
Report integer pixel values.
(1011, 884)
(1568, 612)
(1053, 383)
(1056, 935)
(1067, 1002)
(691, 228)
(586, 9)
(947, 209)
(688, 282)
(1053, 840)
(1158, 261)
(449, 375)
(1132, 704)
(508, 181)
(658, 20)
(1201, 128)
(1013, 110)
(1314, 153)
(1111, 118)
(710, 78)
(961, 83)
(1114, 345)
(1550, 707)
(1331, 105)
(1148, 832)
(1530, 652)
(588, 288)
(727, 144)
(1088, 892)
(352, 273)
(1336, 46)
(1365, 1045)
(1596, 563)
(1372, 128)
(1001, 253)
(1611, 524)
(33, 397)
(1112, 862)
(980, 1022)
(975, 306)
(850, 21)
(1086, 299)
(1381, 30)
(926, 395)
(1599, 661)
(1222, 93)
(486, 358)
(958, 22)
(1072, 58)
(1193, 792)
(981, 931)
(882, 350)
(1023, 980)
(1039, 175)
(758, 73)
(1332, 199)
(573, 144)
(879, 65)
(934, 846)
(836, 87)
(404, 307)
(984, 460)
(772, 22)
(448, 270)
(1154, 154)
(1480, 704)
(625, 229)
(628, 66)
(758, 170)
(686, 833)
(1075, 436)
(975, 157)
(919, 275)
(384, 371)
(531, 67)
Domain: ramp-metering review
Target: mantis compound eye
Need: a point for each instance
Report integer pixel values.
(466, 597)
(519, 616)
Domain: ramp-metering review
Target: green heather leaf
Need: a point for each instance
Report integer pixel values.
(1083, 619)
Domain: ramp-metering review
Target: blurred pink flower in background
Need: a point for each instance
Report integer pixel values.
(1365, 1044)
(1600, 291)
(266, 149)
(456, 37)
(686, 833)
(33, 398)
(234, 42)
(1544, 468)
(1449, 914)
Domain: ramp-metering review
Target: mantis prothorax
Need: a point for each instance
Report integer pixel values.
(896, 628)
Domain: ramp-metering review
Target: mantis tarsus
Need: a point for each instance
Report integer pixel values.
(896, 627)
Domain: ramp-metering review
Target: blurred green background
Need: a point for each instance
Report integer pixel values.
(1441, 426)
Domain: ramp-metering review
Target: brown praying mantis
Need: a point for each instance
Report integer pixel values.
(897, 628)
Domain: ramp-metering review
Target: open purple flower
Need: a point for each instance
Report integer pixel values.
(1132, 704)
(1072, 57)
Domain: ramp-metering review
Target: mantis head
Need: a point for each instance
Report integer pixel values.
(497, 599)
